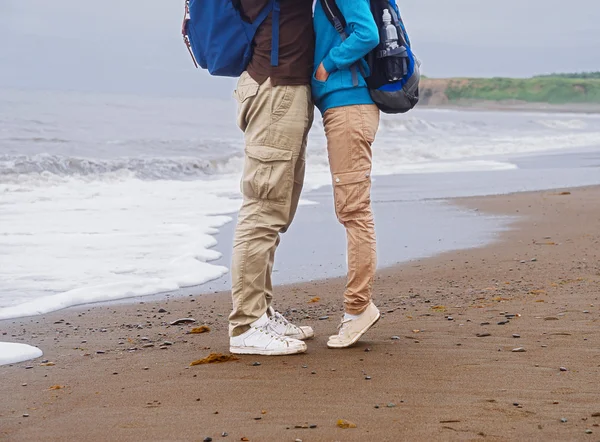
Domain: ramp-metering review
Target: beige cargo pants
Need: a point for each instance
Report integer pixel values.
(350, 132)
(275, 121)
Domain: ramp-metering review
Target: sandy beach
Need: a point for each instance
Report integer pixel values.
(495, 343)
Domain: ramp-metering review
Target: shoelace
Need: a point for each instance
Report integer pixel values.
(341, 327)
(283, 320)
(270, 332)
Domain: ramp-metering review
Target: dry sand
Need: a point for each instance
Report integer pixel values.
(439, 358)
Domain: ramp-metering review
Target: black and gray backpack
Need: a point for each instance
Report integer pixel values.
(394, 78)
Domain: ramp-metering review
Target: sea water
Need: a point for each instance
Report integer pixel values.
(105, 197)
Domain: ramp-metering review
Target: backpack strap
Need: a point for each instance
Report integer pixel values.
(275, 36)
(274, 7)
(336, 18)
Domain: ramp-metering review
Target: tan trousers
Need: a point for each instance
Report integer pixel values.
(350, 132)
(276, 121)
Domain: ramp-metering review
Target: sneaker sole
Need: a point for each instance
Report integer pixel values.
(263, 352)
(358, 336)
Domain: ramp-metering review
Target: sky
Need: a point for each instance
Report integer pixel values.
(135, 46)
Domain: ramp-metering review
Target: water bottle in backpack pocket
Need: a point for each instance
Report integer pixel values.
(394, 54)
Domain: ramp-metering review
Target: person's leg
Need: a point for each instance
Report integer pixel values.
(299, 173)
(275, 121)
(350, 133)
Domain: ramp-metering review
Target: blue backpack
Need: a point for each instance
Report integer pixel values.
(394, 76)
(219, 38)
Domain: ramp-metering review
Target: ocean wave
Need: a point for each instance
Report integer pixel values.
(574, 124)
(14, 167)
(51, 140)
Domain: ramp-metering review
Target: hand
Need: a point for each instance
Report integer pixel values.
(321, 74)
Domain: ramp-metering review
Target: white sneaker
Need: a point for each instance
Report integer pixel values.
(283, 327)
(351, 330)
(262, 340)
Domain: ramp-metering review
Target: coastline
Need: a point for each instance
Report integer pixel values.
(416, 217)
(446, 383)
(515, 106)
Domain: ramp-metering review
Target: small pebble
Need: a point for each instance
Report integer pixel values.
(146, 368)
(376, 406)
(298, 440)
(305, 366)
(483, 335)
(256, 364)
(100, 352)
(503, 322)
(586, 311)
(564, 420)
(25, 415)
(162, 310)
(450, 318)
(312, 426)
(313, 372)
(23, 385)
(45, 361)
(588, 431)
(516, 335)
(368, 378)
(563, 369)
(208, 439)
(519, 350)
(516, 404)
(391, 405)
(224, 434)
(323, 318)
(395, 338)
(28, 367)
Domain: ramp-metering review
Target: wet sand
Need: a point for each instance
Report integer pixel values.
(440, 364)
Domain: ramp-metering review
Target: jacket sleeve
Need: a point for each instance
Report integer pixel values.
(363, 36)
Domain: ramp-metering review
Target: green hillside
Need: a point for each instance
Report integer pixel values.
(552, 89)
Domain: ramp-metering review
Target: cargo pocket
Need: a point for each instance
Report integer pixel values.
(352, 194)
(246, 89)
(267, 174)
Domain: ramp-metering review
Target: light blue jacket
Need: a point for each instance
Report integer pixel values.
(338, 56)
